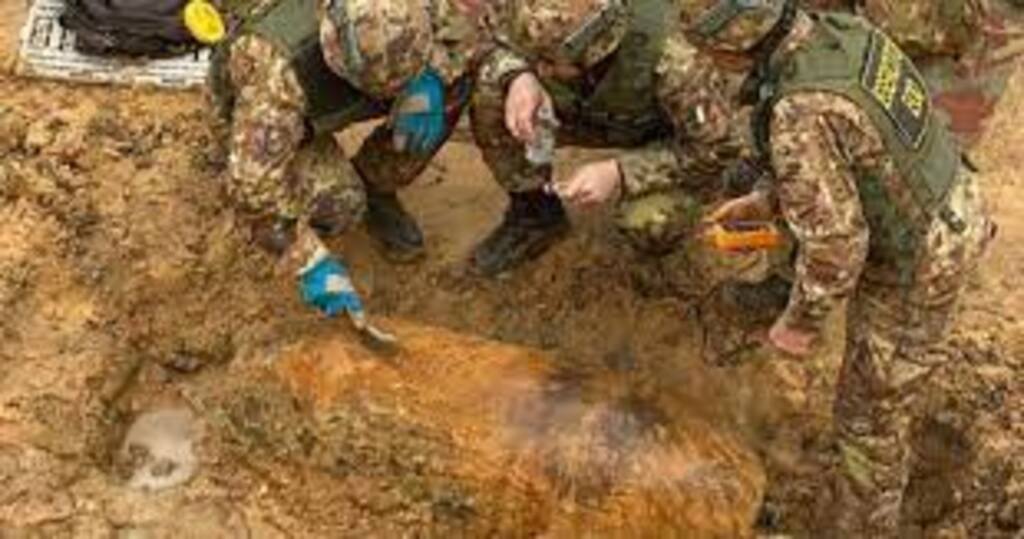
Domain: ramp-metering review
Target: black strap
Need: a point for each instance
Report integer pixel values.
(332, 101)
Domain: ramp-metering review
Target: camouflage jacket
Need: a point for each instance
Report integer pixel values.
(821, 146)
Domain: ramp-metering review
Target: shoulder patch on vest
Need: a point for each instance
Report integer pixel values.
(895, 84)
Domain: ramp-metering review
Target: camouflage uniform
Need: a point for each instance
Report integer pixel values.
(283, 108)
(967, 55)
(274, 169)
(670, 115)
(867, 234)
(967, 75)
(966, 49)
(666, 183)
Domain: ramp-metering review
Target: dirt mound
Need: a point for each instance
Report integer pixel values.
(461, 436)
(148, 344)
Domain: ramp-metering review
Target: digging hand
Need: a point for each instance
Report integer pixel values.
(325, 285)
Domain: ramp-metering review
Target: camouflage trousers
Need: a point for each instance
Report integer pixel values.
(279, 170)
(896, 339)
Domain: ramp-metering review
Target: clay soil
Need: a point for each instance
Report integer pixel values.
(570, 397)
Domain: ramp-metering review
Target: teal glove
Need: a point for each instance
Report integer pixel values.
(418, 115)
(327, 286)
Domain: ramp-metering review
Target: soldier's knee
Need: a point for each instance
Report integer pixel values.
(271, 233)
(250, 60)
(332, 213)
(336, 195)
(253, 190)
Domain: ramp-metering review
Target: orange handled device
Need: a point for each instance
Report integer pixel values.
(738, 236)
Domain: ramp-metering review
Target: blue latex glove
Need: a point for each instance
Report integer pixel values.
(327, 286)
(418, 114)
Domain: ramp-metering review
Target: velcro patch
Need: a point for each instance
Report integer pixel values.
(893, 81)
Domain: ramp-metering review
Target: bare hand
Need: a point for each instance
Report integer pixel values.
(592, 184)
(525, 97)
(789, 340)
(751, 207)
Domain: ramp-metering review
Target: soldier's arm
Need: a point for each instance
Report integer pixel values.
(267, 129)
(819, 199)
(649, 169)
(502, 63)
(706, 125)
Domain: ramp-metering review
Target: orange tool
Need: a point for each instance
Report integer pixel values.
(739, 236)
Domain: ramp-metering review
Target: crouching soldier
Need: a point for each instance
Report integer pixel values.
(598, 74)
(561, 73)
(299, 71)
(883, 210)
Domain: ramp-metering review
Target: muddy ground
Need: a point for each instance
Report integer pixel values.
(143, 343)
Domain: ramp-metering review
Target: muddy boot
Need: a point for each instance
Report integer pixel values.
(534, 221)
(392, 226)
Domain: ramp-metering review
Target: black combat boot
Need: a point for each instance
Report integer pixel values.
(389, 223)
(534, 221)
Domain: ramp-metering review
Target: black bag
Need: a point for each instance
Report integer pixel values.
(135, 28)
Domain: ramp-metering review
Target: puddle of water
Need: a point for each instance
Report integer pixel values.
(159, 449)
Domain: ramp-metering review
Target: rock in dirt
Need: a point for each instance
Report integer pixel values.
(158, 449)
(40, 134)
(12, 131)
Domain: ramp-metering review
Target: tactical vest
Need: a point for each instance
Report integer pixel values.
(331, 102)
(848, 57)
(624, 101)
